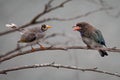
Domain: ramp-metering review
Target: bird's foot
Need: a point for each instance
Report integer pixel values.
(89, 47)
(42, 47)
(32, 49)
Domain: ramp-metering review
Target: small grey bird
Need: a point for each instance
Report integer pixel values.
(30, 35)
(91, 36)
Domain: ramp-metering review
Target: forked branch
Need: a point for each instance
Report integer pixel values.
(53, 65)
(8, 57)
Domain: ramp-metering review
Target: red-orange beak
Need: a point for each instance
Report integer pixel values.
(76, 28)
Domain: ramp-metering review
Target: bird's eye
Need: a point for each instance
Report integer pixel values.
(44, 27)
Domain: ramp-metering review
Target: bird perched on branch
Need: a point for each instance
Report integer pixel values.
(91, 36)
(30, 35)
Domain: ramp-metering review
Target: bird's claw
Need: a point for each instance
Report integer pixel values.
(32, 49)
(42, 47)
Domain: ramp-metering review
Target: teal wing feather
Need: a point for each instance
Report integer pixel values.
(97, 36)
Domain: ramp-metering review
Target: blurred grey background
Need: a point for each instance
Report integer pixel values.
(22, 11)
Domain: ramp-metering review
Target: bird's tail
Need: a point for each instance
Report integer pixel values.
(103, 53)
(13, 26)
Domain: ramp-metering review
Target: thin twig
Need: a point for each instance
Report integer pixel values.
(46, 10)
(13, 30)
(14, 50)
(32, 22)
(21, 47)
(72, 18)
(76, 17)
(5, 71)
(2, 59)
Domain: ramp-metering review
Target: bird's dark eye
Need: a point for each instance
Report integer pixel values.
(78, 25)
(43, 28)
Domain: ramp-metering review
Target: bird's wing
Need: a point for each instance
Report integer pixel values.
(28, 37)
(97, 36)
(38, 32)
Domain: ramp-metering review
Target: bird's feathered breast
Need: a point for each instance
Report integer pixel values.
(87, 31)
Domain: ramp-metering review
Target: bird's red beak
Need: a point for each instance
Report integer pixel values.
(76, 28)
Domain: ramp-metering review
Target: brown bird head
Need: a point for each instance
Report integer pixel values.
(45, 27)
(81, 26)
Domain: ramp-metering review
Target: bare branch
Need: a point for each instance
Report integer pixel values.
(10, 31)
(72, 18)
(32, 22)
(5, 71)
(89, 13)
(8, 57)
(47, 10)
(21, 47)
(50, 19)
(48, 5)
(14, 50)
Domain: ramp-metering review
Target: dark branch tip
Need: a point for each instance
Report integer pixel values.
(4, 72)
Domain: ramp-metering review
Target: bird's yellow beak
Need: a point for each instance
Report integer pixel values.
(48, 26)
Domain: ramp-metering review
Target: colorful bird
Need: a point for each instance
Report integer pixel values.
(30, 35)
(91, 36)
